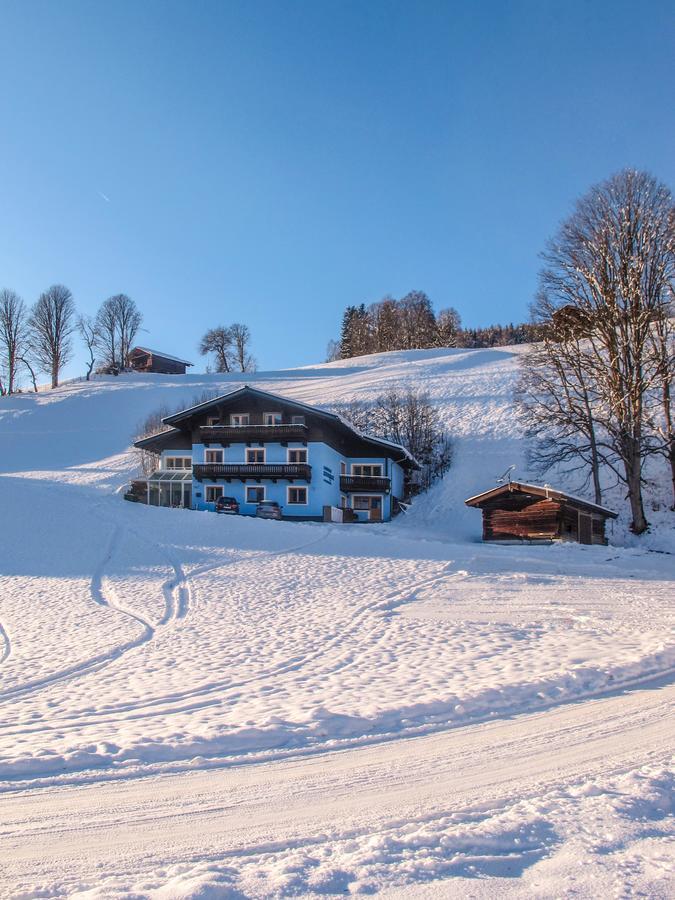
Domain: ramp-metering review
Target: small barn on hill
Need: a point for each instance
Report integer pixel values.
(529, 512)
(141, 359)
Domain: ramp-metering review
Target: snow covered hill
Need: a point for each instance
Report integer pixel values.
(152, 660)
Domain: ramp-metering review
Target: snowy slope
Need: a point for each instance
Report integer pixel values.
(138, 642)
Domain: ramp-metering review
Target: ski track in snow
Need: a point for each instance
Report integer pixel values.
(330, 709)
(6, 646)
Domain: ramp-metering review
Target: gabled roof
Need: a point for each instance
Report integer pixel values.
(537, 490)
(184, 414)
(162, 355)
(158, 438)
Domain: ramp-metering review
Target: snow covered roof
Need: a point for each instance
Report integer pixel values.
(163, 355)
(539, 490)
(176, 418)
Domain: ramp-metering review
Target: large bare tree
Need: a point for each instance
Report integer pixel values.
(118, 321)
(13, 336)
(219, 342)
(241, 340)
(557, 397)
(608, 280)
(88, 329)
(50, 325)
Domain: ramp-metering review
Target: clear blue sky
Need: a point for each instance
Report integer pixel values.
(272, 162)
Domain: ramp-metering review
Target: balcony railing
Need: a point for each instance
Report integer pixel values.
(365, 483)
(245, 433)
(290, 471)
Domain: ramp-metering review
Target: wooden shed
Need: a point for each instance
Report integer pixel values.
(142, 359)
(530, 512)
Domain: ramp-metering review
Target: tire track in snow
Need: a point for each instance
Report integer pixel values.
(94, 664)
(6, 645)
(180, 583)
(162, 706)
(177, 594)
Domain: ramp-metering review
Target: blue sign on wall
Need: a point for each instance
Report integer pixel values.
(328, 476)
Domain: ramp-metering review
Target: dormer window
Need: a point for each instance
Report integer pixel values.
(213, 420)
(239, 419)
(297, 420)
(272, 418)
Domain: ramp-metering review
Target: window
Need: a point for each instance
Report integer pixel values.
(178, 462)
(255, 493)
(372, 471)
(297, 420)
(239, 419)
(364, 502)
(272, 418)
(343, 468)
(213, 491)
(213, 420)
(255, 455)
(297, 496)
(213, 456)
(343, 501)
(298, 455)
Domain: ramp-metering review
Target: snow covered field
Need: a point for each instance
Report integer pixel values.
(202, 706)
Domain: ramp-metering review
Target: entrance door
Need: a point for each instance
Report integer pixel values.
(585, 529)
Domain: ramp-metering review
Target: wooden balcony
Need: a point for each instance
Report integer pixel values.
(246, 434)
(368, 483)
(242, 471)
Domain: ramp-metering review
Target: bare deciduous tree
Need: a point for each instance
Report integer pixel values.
(332, 351)
(448, 325)
(556, 399)
(13, 335)
(89, 333)
(408, 419)
(608, 280)
(118, 321)
(51, 324)
(241, 340)
(219, 341)
(662, 338)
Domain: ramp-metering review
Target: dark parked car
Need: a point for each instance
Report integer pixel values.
(268, 509)
(227, 505)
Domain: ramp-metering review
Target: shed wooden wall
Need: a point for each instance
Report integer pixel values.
(167, 366)
(520, 517)
(517, 516)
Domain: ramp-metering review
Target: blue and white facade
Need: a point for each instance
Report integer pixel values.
(256, 446)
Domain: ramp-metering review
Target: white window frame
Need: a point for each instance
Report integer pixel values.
(296, 487)
(370, 466)
(272, 414)
(297, 420)
(217, 489)
(256, 487)
(262, 450)
(235, 417)
(290, 450)
(212, 420)
(214, 462)
(167, 467)
(343, 468)
(344, 503)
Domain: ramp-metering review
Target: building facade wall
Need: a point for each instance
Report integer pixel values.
(323, 489)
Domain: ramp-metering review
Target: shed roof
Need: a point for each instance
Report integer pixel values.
(537, 490)
(162, 355)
